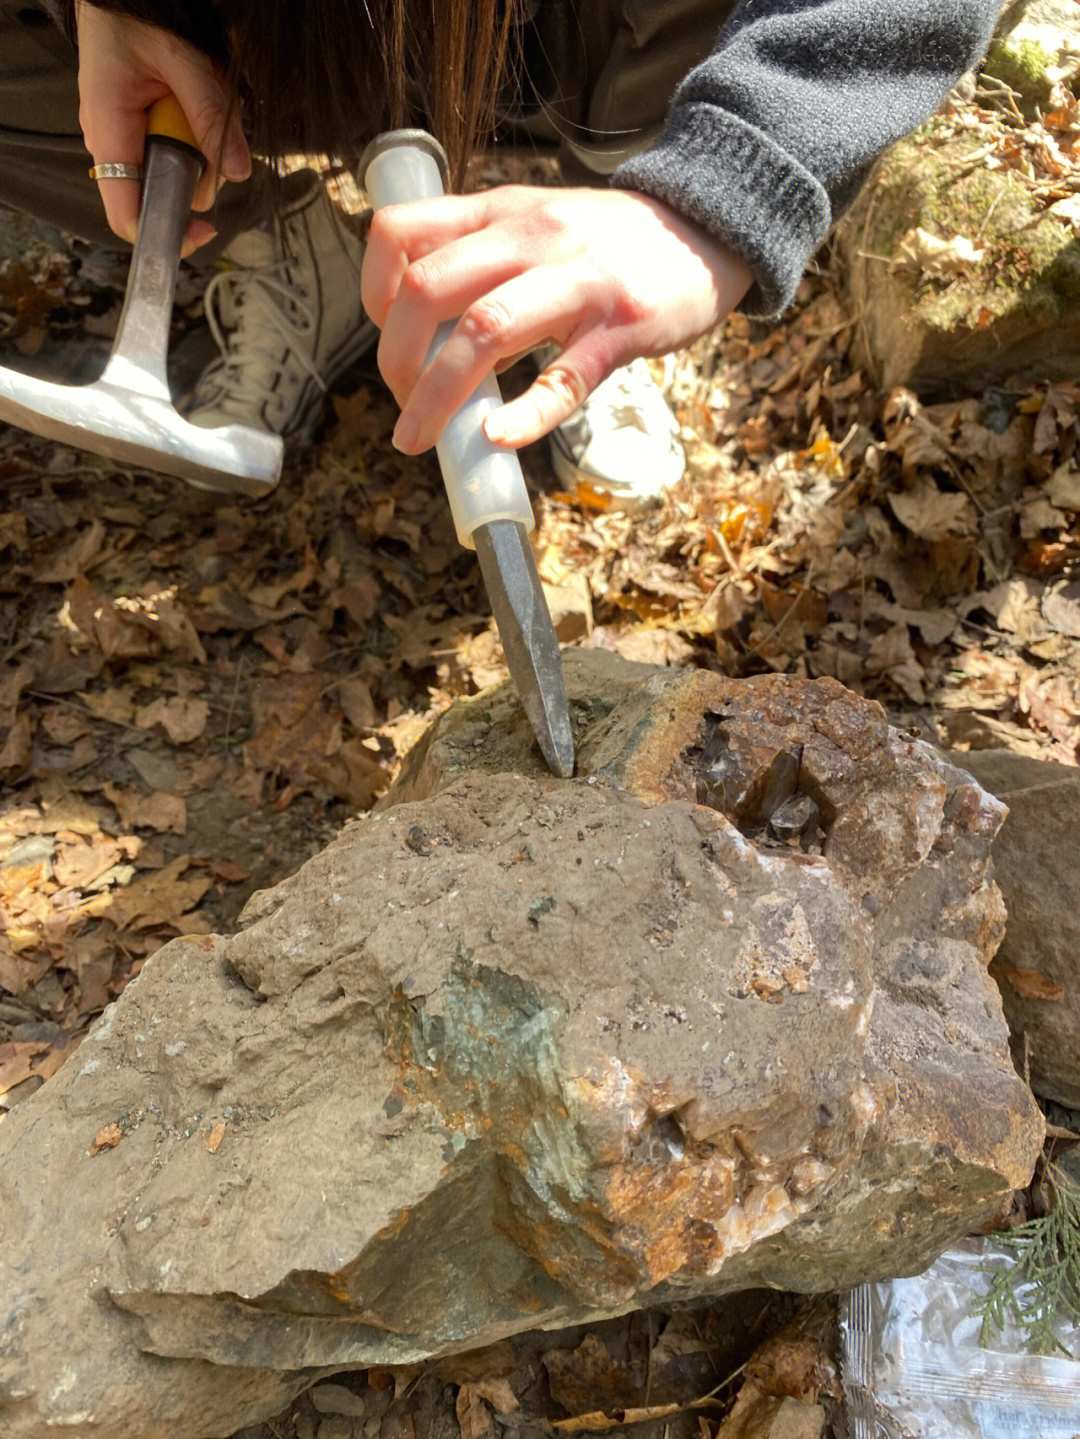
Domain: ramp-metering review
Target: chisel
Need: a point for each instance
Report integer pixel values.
(488, 499)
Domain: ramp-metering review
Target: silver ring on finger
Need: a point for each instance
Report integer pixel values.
(113, 170)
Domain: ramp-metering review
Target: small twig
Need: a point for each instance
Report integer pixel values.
(986, 218)
(232, 699)
(83, 709)
(725, 549)
(782, 621)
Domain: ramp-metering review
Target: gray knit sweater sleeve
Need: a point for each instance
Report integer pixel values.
(769, 138)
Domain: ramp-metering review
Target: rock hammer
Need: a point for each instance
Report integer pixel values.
(127, 414)
(484, 484)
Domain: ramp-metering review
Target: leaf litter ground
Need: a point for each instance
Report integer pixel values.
(196, 693)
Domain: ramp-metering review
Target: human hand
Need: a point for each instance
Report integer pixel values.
(124, 66)
(608, 275)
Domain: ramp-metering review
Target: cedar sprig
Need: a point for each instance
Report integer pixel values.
(1042, 1284)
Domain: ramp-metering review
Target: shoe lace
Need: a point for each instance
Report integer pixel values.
(265, 311)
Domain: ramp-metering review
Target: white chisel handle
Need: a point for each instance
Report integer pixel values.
(483, 482)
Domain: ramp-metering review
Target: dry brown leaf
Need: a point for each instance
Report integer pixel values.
(931, 256)
(1015, 604)
(981, 681)
(118, 633)
(353, 773)
(293, 749)
(934, 514)
(398, 1424)
(229, 871)
(934, 624)
(15, 879)
(1061, 609)
(359, 600)
(62, 808)
(357, 702)
(161, 811)
(892, 657)
(1063, 487)
(284, 699)
(1052, 706)
(1028, 983)
(494, 1361)
(16, 748)
(1057, 414)
(63, 726)
(497, 1393)
(480, 657)
(80, 860)
(73, 559)
(107, 1137)
(399, 1378)
(474, 1416)
(14, 532)
(19, 970)
(183, 717)
(17, 1061)
(25, 303)
(600, 1422)
(588, 1377)
(111, 704)
(161, 899)
(91, 956)
(61, 670)
(132, 626)
(644, 646)
(912, 434)
(268, 597)
(49, 1064)
(12, 684)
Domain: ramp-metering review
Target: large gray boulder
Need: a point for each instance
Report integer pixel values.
(518, 1051)
(1037, 866)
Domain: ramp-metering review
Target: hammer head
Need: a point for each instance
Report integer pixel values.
(144, 430)
(128, 414)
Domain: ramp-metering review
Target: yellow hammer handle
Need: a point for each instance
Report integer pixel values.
(166, 119)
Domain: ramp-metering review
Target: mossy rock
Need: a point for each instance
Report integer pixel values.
(1026, 67)
(1013, 312)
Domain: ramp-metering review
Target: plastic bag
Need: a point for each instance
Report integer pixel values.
(913, 1366)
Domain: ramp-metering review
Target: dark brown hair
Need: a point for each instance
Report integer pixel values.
(326, 76)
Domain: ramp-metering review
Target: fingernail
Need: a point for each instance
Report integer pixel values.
(495, 430)
(236, 164)
(406, 433)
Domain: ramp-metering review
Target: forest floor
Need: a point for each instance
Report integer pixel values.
(196, 693)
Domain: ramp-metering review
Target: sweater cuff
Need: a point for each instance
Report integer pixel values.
(730, 177)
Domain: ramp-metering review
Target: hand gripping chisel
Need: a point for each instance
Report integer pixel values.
(485, 486)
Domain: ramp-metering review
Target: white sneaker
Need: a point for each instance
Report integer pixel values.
(623, 441)
(287, 318)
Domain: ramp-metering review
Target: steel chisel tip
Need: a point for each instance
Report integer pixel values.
(528, 637)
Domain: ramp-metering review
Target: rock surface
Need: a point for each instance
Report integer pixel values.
(1036, 861)
(962, 273)
(1037, 51)
(518, 1051)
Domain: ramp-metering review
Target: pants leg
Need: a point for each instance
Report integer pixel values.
(44, 163)
(623, 61)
